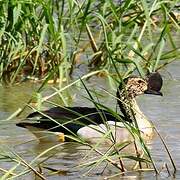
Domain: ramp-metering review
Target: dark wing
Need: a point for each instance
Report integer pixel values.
(66, 119)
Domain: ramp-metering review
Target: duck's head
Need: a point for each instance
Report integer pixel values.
(135, 86)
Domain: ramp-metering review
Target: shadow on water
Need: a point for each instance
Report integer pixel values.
(163, 111)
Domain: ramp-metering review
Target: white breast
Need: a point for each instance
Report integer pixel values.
(144, 124)
(92, 133)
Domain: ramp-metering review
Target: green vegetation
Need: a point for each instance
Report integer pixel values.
(41, 38)
(44, 40)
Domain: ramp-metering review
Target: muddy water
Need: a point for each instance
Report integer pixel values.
(163, 111)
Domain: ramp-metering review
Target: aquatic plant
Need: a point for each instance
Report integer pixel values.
(38, 38)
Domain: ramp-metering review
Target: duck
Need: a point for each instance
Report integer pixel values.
(93, 123)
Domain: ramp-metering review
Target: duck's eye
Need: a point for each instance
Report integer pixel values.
(139, 81)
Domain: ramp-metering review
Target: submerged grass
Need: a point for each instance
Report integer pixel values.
(45, 40)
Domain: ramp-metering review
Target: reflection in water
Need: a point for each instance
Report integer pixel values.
(163, 111)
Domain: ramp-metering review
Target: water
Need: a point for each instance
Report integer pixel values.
(163, 111)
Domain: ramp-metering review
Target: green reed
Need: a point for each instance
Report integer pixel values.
(41, 36)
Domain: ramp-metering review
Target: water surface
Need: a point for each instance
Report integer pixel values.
(163, 111)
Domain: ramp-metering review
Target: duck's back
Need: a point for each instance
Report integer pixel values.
(66, 119)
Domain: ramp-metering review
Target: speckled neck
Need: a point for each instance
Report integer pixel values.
(125, 103)
(130, 109)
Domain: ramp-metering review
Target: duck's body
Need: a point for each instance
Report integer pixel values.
(67, 119)
(91, 123)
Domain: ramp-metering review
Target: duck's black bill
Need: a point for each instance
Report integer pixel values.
(153, 92)
(155, 83)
